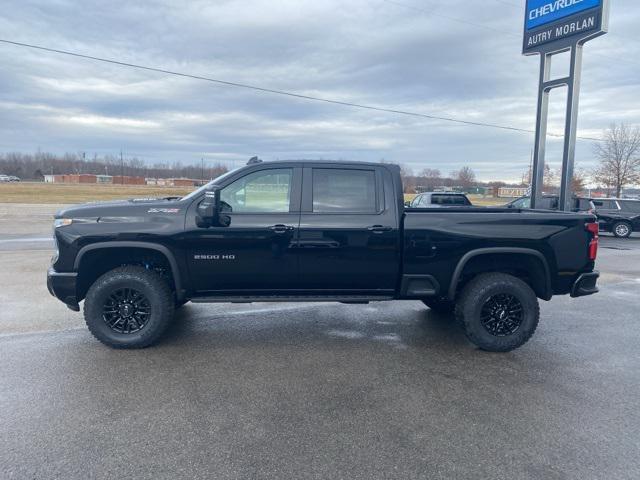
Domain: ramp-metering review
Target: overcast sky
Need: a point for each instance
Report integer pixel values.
(455, 58)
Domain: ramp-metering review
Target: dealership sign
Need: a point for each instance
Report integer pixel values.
(556, 24)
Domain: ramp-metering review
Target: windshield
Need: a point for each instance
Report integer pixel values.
(215, 181)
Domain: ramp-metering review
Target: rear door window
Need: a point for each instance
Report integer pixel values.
(605, 204)
(630, 206)
(344, 191)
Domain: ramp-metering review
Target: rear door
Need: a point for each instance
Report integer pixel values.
(349, 238)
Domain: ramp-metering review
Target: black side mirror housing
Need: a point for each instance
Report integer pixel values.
(208, 213)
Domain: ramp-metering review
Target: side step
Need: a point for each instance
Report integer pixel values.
(355, 299)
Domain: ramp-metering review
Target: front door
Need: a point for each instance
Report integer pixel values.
(256, 253)
(349, 235)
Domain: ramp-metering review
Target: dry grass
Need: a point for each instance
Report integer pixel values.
(28, 192)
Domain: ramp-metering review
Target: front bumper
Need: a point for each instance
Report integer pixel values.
(62, 285)
(586, 284)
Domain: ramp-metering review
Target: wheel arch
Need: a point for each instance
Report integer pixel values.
(172, 263)
(543, 288)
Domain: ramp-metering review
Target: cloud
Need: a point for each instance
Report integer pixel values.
(455, 58)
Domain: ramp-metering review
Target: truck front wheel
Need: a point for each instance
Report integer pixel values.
(498, 312)
(129, 307)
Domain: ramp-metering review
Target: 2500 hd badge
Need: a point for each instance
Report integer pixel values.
(214, 257)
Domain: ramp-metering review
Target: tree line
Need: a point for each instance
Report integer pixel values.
(618, 154)
(35, 166)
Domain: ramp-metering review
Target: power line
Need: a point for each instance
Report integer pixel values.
(281, 92)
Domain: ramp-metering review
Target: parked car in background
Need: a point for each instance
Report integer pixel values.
(9, 178)
(440, 199)
(618, 216)
(551, 202)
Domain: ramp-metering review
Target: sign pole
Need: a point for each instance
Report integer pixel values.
(551, 28)
(537, 174)
(570, 129)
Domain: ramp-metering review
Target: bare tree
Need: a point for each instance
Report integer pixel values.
(408, 180)
(550, 178)
(431, 173)
(579, 181)
(466, 177)
(429, 179)
(619, 155)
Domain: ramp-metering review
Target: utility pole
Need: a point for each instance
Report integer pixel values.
(202, 169)
(121, 168)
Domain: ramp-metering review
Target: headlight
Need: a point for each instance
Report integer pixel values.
(61, 222)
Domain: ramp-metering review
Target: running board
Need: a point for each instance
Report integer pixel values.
(355, 299)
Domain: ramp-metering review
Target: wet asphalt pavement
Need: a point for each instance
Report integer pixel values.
(386, 390)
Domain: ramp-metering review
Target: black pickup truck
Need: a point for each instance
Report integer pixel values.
(316, 231)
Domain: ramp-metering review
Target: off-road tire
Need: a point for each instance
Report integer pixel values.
(440, 306)
(151, 285)
(622, 227)
(478, 292)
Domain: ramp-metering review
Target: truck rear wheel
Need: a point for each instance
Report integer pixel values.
(129, 307)
(498, 312)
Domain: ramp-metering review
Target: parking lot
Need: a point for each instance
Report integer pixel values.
(388, 390)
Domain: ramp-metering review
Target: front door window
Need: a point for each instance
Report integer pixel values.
(266, 191)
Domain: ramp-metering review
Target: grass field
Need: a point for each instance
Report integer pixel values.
(27, 192)
(33, 192)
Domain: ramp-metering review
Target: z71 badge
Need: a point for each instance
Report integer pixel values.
(163, 210)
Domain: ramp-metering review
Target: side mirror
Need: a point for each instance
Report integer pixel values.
(208, 213)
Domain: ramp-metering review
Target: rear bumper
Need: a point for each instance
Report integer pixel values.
(62, 285)
(585, 285)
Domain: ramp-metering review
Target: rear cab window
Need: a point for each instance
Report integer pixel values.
(449, 200)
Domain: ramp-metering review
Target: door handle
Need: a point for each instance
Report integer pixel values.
(379, 229)
(280, 228)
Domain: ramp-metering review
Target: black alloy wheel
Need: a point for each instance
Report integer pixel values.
(126, 310)
(501, 315)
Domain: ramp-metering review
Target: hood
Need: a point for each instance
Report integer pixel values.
(122, 208)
